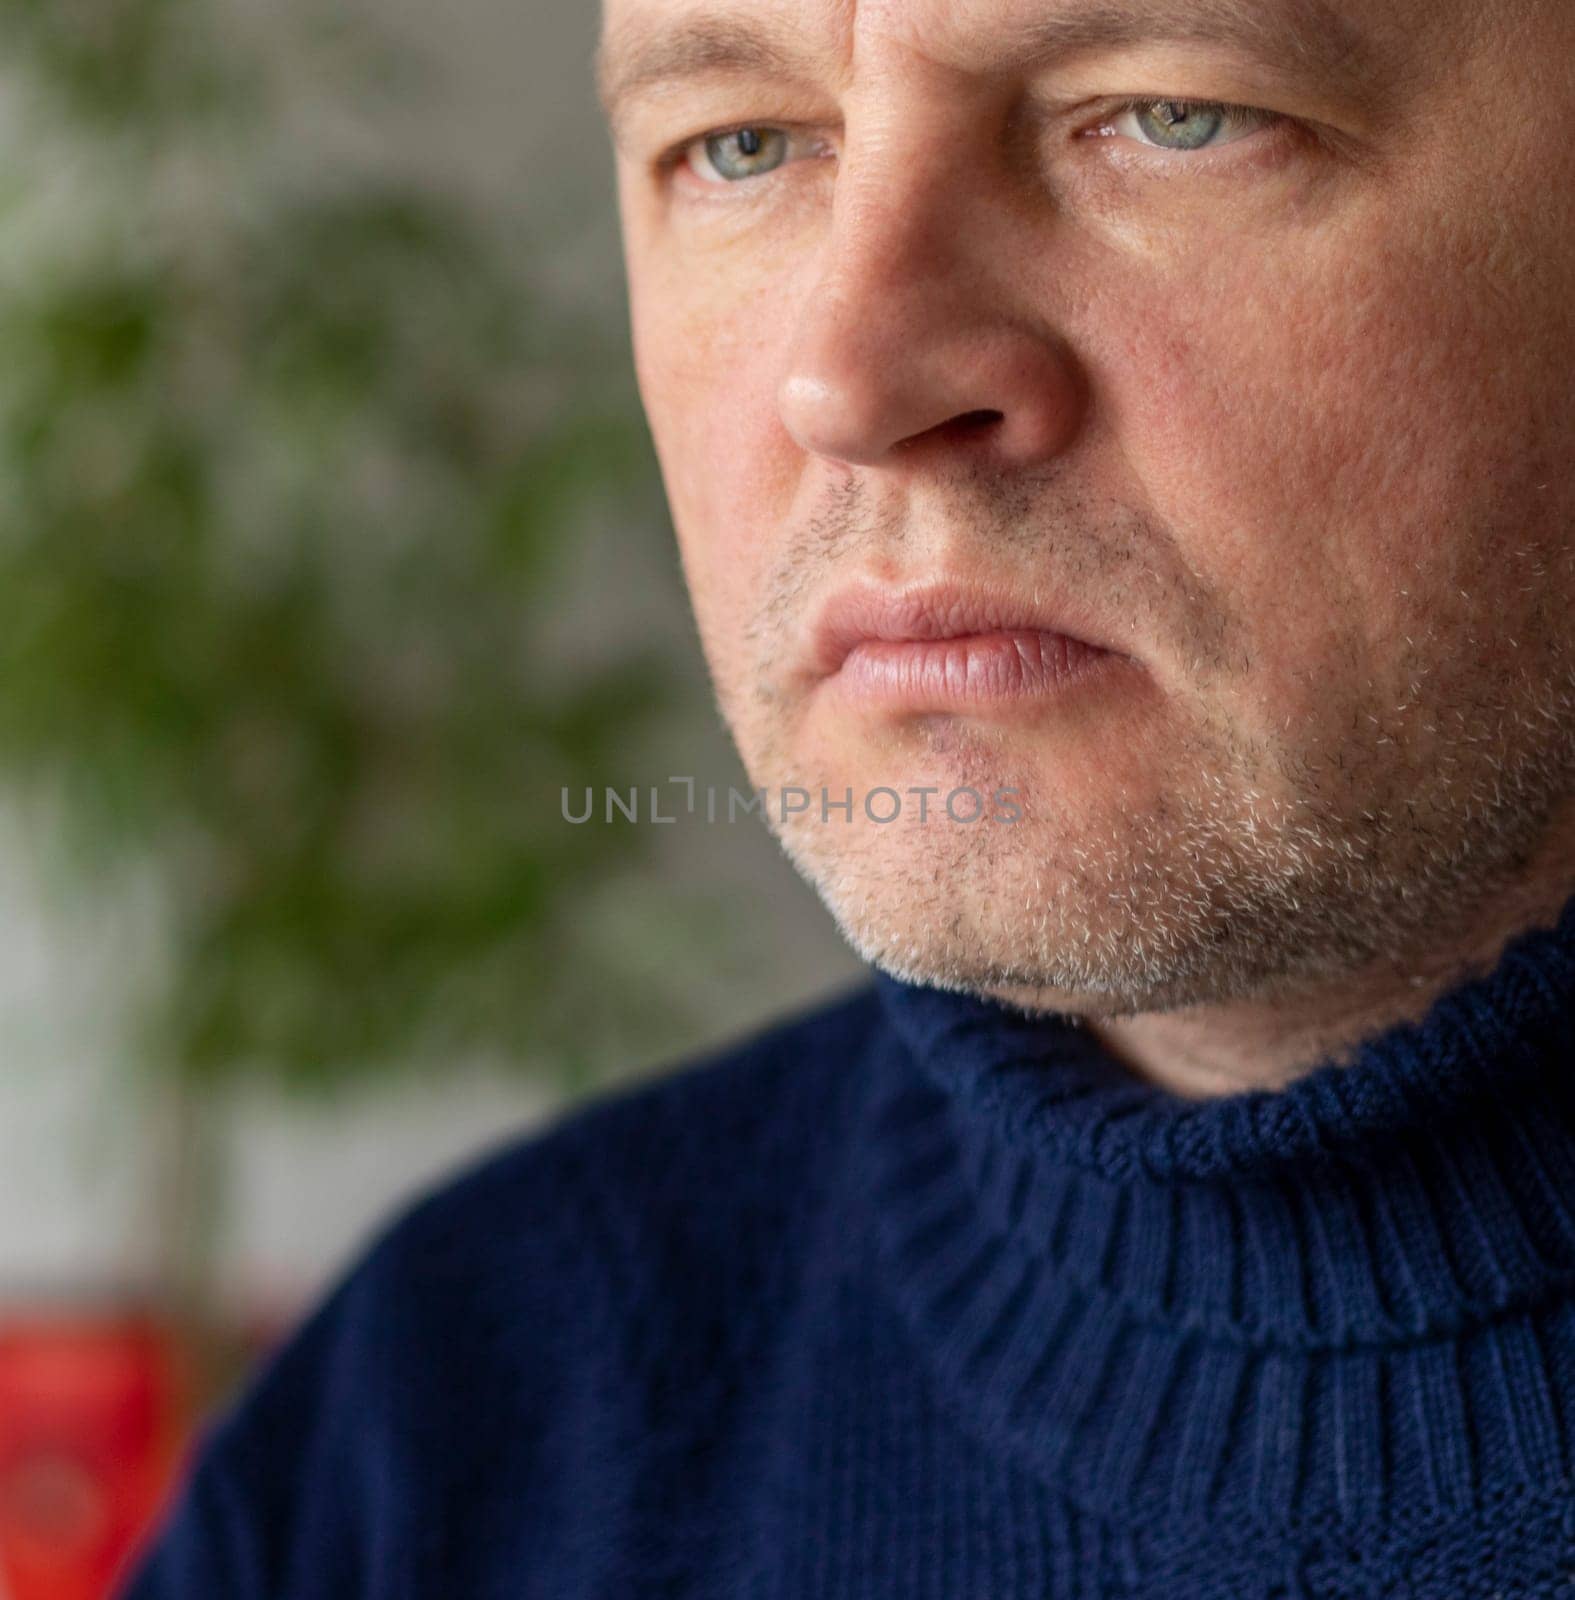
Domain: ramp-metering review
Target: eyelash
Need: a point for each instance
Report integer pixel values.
(673, 157)
(1233, 116)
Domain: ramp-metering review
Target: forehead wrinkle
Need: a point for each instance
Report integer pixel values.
(649, 58)
(1314, 29)
(1311, 39)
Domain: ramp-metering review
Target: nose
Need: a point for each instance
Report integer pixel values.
(908, 344)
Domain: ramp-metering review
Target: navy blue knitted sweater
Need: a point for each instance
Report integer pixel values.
(914, 1297)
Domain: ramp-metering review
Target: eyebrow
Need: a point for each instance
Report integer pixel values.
(1307, 38)
(1312, 31)
(639, 60)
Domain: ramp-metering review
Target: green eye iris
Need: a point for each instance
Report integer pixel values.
(746, 152)
(1179, 124)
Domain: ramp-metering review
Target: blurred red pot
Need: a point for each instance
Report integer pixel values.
(94, 1412)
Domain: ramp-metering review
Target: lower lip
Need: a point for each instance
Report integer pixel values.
(972, 670)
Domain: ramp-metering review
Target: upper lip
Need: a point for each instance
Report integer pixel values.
(943, 609)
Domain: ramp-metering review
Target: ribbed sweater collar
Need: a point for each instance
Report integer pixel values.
(1337, 1302)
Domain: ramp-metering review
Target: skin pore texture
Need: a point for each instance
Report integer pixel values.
(1284, 418)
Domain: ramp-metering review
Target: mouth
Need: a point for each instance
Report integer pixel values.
(946, 645)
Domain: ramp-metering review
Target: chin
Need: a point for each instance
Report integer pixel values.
(953, 904)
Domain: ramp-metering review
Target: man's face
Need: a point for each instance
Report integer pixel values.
(1234, 336)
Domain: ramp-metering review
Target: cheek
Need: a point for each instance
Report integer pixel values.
(1325, 432)
(708, 378)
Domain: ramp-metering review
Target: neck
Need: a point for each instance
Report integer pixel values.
(1211, 1049)
(1332, 1304)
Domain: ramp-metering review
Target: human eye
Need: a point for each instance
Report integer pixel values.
(733, 155)
(1180, 126)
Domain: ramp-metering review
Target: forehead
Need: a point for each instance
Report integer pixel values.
(651, 47)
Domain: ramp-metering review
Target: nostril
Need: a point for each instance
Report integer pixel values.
(964, 425)
(971, 421)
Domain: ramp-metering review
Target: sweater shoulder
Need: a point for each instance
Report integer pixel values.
(742, 1115)
(618, 1205)
(538, 1297)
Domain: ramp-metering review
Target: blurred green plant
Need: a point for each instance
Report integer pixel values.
(293, 468)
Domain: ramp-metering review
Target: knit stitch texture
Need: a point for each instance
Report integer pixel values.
(916, 1298)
